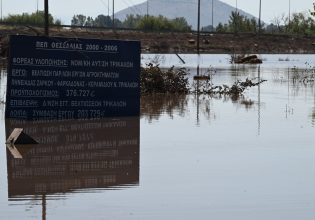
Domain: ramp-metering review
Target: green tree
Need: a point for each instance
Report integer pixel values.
(103, 21)
(301, 24)
(208, 28)
(118, 23)
(36, 18)
(240, 23)
(89, 22)
(132, 21)
(313, 12)
(234, 22)
(181, 24)
(278, 24)
(162, 23)
(222, 28)
(78, 20)
(271, 28)
(58, 22)
(152, 23)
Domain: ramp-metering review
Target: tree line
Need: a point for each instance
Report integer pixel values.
(297, 23)
(35, 18)
(150, 23)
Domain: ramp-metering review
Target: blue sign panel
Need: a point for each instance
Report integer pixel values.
(70, 78)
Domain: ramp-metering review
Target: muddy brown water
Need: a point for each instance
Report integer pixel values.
(185, 157)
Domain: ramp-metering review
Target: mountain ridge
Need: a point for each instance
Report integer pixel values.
(185, 8)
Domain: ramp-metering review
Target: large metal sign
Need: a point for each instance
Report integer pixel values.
(66, 78)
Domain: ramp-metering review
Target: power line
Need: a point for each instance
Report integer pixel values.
(102, 1)
(133, 7)
(106, 5)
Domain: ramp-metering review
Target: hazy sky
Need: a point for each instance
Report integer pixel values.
(65, 9)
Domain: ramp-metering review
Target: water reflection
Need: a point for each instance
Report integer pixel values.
(153, 106)
(156, 105)
(73, 156)
(244, 70)
(3, 84)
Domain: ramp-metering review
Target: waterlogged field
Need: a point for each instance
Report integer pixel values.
(186, 157)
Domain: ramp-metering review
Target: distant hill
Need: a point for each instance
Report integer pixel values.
(185, 8)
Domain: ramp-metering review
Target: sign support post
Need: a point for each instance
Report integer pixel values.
(46, 19)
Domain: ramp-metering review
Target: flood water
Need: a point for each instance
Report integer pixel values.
(185, 157)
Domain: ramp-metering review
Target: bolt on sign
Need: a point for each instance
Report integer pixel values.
(70, 78)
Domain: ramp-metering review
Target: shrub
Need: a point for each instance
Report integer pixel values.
(155, 80)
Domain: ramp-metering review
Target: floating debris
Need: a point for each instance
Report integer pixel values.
(202, 77)
(245, 59)
(191, 41)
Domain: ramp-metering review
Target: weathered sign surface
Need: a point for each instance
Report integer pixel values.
(63, 78)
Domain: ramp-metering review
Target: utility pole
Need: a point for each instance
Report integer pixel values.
(212, 17)
(113, 14)
(44, 207)
(46, 18)
(198, 29)
(1, 10)
(108, 8)
(147, 8)
(36, 18)
(236, 17)
(259, 21)
(289, 14)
